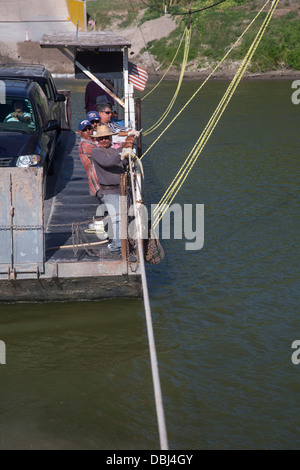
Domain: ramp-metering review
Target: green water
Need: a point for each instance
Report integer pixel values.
(78, 375)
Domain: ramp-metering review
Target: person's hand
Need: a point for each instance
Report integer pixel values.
(133, 133)
(127, 152)
(129, 142)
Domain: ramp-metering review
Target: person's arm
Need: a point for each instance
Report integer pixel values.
(127, 150)
(21, 117)
(25, 118)
(104, 159)
(129, 142)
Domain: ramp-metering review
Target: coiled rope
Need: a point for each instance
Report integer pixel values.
(206, 80)
(188, 164)
(187, 35)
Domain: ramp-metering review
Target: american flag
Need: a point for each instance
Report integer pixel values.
(137, 76)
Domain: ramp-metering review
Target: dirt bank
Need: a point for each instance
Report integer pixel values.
(56, 62)
(31, 52)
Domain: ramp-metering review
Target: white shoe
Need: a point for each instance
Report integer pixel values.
(99, 227)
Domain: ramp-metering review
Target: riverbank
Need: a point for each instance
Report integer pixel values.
(56, 62)
(193, 76)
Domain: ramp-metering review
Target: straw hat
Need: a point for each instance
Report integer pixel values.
(103, 131)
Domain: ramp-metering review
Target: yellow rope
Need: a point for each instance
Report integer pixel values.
(182, 37)
(202, 85)
(198, 147)
(185, 58)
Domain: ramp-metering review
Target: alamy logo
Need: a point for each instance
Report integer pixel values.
(2, 352)
(2, 92)
(296, 354)
(296, 94)
(187, 223)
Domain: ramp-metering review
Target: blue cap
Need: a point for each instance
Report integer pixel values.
(93, 116)
(82, 124)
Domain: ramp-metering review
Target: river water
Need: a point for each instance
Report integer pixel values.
(78, 375)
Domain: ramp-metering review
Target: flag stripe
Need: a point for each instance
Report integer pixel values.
(137, 80)
(137, 76)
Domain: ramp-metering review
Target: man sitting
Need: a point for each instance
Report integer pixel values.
(18, 115)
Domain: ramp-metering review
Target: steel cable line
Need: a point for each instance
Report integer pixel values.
(190, 12)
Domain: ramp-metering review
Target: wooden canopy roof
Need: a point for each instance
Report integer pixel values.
(90, 40)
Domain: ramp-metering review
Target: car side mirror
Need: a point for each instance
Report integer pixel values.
(60, 97)
(52, 125)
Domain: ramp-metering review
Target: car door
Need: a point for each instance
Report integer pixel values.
(55, 104)
(48, 138)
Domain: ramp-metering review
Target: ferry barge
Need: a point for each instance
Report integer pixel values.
(48, 252)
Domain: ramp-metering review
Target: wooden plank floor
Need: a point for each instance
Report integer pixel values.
(69, 208)
(71, 274)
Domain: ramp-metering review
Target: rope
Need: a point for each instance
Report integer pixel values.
(202, 85)
(184, 62)
(142, 34)
(191, 12)
(144, 97)
(198, 147)
(153, 356)
(66, 247)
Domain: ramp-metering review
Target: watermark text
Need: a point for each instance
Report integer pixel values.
(169, 222)
(296, 354)
(2, 352)
(296, 93)
(2, 92)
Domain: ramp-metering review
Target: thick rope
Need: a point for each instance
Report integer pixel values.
(198, 147)
(176, 53)
(153, 356)
(184, 62)
(202, 85)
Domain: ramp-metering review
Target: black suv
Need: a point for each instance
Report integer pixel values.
(43, 77)
(28, 134)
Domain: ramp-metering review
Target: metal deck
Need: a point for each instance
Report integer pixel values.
(74, 266)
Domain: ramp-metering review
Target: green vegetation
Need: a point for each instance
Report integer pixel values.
(103, 12)
(279, 47)
(213, 30)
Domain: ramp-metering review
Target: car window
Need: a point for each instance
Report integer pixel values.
(17, 115)
(52, 84)
(46, 90)
(42, 105)
(44, 86)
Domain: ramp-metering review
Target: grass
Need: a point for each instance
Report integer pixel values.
(214, 31)
(279, 46)
(105, 11)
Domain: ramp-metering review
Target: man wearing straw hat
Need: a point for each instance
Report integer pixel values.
(109, 166)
